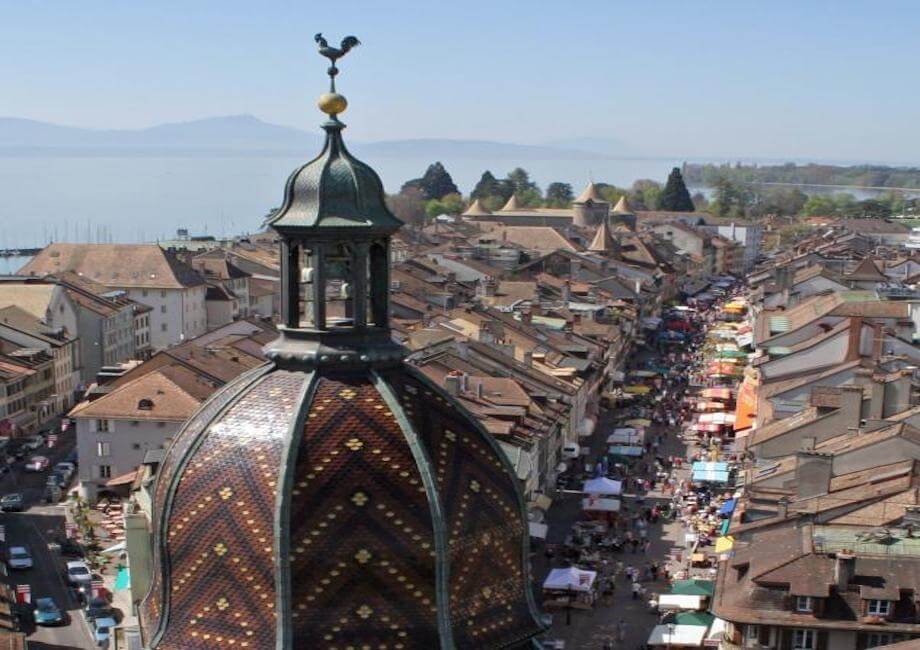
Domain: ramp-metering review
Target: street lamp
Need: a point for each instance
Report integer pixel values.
(670, 633)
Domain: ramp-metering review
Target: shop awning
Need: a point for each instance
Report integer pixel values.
(717, 418)
(717, 393)
(643, 373)
(638, 422)
(709, 406)
(637, 389)
(745, 340)
(746, 407)
(124, 479)
(708, 428)
(626, 437)
(725, 543)
(712, 472)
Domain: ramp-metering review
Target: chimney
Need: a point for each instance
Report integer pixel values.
(877, 398)
(813, 472)
(844, 569)
(851, 399)
(526, 317)
(452, 382)
(479, 389)
(782, 507)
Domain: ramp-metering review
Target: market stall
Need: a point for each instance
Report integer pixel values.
(677, 636)
(571, 586)
(626, 436)
(603, 486)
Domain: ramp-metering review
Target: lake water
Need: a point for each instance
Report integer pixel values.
(143, 199)
(132, 199)
(9, 265)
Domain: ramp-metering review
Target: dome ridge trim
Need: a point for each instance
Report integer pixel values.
(282, 543)
(506, 465)
(438, 520)
(240, 385)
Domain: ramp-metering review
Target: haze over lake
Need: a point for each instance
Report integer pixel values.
(145, 198)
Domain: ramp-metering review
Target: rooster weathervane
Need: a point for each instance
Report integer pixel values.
(334, 54)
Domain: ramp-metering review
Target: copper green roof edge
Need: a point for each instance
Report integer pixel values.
(701, 619)
(539, 626)
(238, 386)
(438, 521)
(282, 543)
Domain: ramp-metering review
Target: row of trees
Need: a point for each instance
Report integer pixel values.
(435, 193)
(811, 174)
(740, 200)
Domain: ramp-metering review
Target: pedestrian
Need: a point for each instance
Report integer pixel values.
(636, 590)
(621, 630)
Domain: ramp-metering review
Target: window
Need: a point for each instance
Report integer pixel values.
(103, 449)
(144, 293)
(162, 309)
(135, 445)
(751, 633)
(878, 639)
(803, 640)
(879, 607)
(804, 604)
(162, 293)
(105, 471)
(162, 327)
(103, 426)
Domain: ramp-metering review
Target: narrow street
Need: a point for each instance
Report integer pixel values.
(40, 525)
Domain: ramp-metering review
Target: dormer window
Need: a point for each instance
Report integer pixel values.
(804, 604)
(145, 405)
(879, 607)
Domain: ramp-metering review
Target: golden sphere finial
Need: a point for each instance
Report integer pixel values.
(332, 103)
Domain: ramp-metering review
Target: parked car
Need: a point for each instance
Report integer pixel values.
(102, 631)
(79, 576)
(19, 558)
(47, 612)
(37, 464)
(98, 607)
(33, 443)
(58, 479)
(65, 468)
(11, 502)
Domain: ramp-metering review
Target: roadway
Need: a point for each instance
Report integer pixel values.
(36, 527)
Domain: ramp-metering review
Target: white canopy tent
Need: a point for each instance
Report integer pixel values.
(599, 504)
(671, 636)
(603, 485)
(678, 602)
(570, 579)
(626, 436)
(714, 636)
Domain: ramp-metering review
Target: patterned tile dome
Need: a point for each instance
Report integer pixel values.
(335, 498)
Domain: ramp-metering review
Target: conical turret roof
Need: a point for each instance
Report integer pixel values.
(476, 209)
(590, 193)
(512, 204)
(622, 206)
(603, 241)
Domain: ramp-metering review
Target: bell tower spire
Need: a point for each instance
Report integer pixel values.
(335, 231)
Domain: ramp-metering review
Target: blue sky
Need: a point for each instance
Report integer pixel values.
(804, 80)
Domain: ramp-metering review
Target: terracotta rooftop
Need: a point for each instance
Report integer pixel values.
(115, 265)
(169, 394)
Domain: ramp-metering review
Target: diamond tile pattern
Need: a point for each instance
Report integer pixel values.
(220, 542)
(487, 586)
(151, 609)
(361, 537)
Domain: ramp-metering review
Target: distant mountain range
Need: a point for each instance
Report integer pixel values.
(248, 135)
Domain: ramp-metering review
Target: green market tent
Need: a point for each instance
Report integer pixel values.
(693, 587)
(694, 618)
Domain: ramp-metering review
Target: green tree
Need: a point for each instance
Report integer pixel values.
(644, 194)
(675, 197)
(610, 193)
(530, 198)
(559, 195)
(408, 205)
(519, 179)
(435, 184)
(451, 204)
(731, 199)
(487, 186)
(819, 205)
